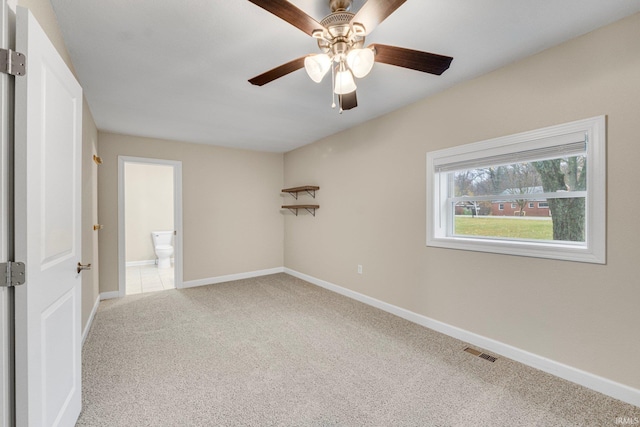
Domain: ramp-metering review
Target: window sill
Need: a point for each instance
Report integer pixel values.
(566, 251)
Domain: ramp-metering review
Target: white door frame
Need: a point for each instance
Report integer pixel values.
(6, 224)
(177, 217)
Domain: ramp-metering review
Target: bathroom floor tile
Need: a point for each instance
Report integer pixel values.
(148, 278)
(132, 290)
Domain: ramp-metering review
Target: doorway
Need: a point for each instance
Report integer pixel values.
(150, 225)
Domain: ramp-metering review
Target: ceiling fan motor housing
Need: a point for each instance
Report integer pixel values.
(339, 37)
(339, 5)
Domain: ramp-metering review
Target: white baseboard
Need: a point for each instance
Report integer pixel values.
(109, 295)
(569, 373)
(137, 263)
(87, 327)
(231, 277)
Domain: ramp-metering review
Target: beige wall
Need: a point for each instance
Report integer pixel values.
(231, 206)
(372, 198)
(372, 212)
(148, 207)
(43, 12)
(90, 279)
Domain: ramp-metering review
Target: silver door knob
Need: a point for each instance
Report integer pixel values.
(83, 267)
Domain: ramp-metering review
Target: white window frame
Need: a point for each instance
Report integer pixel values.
(546, 205)
(593, 250)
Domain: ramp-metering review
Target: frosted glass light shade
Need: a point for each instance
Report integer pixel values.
(317, 66)
(344, 82)
(360, 61)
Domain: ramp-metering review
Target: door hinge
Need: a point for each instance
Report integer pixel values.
(13, 273)
(12, 62)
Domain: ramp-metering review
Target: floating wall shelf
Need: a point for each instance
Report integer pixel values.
(310, 190)
(309, 208)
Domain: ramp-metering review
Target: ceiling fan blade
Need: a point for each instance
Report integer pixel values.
(290, 13)
(374, 12)
(278, 72)
(414, 59)
(348, 100)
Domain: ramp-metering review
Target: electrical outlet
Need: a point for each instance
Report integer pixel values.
(359, 269)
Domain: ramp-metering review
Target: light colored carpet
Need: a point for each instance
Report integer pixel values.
(278, 351)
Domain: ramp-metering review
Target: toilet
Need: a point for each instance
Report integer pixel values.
(162, 245)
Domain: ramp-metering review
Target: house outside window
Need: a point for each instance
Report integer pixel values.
(561, 169)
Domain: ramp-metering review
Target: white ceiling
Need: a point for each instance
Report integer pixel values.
(178, 69)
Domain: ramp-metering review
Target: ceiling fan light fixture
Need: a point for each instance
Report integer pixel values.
(360, 61)
(358, 29)
(344, 82)
(318, 34)
(317, 66)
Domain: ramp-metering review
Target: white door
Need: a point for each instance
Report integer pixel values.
(48, 130)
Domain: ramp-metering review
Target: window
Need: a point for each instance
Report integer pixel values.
(514, 205)
(562, 168)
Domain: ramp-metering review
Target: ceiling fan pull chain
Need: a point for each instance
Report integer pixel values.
(333, 87)
(339, 96)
